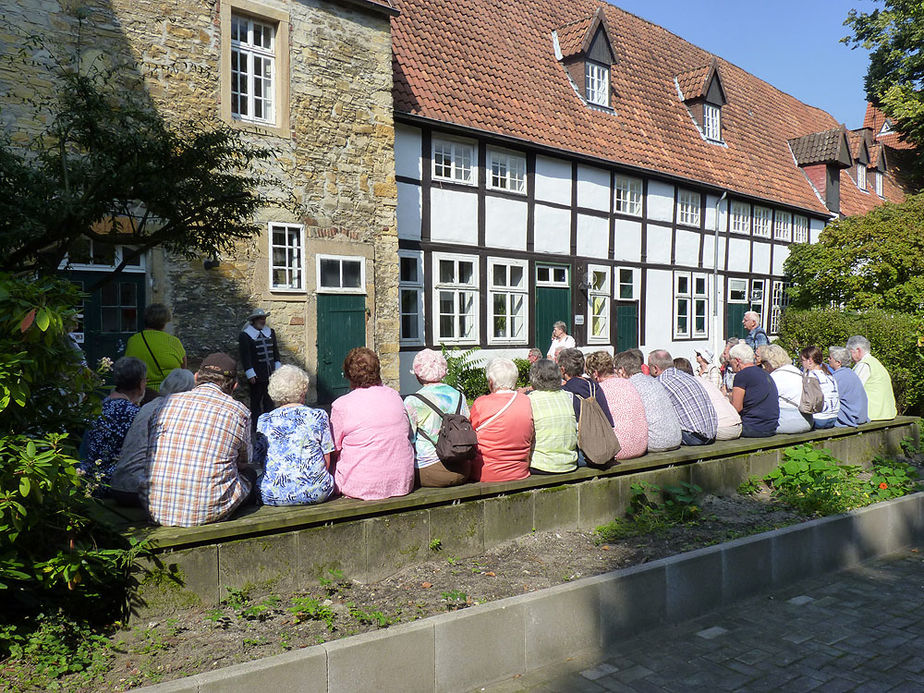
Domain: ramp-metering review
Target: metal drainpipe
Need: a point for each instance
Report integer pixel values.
(715, 282)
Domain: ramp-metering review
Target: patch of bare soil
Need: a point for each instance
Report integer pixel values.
(250, 626)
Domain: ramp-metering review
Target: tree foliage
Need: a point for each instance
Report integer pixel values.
(895, 77)
(870, 261)
(111, 169)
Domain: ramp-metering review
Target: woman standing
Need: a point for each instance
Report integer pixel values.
(161, 352)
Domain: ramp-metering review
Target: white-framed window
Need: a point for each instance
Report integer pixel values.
(597, 79)
(762, 219)
(741, 217)
(507, 295)
(410, 289)
(341, 274)
(599, 295)
(712, 122)
(877, 182)
(627, 195)
(552, 275)
(756, 298)
(507, 171)
(782, 226)
(86, 253)
(253, 70)
(454, 161)
(691, 305)
(737, 290)
(455, 298)
(861, 176)
(688, 207)
(800, 228)
(287, 257)
(778, 301)
(627, 284)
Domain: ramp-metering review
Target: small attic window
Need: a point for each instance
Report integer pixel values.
(712, 122)
(597, 82)
(585, 50)
(703, 94)
(886, 128)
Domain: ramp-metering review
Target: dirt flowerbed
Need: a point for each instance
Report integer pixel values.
(251, 624)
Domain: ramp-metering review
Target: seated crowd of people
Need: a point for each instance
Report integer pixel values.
(191, 456)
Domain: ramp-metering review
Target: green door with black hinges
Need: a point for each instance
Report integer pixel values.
(341, 327)
(734, 314)
(626, 326)
(552, 304)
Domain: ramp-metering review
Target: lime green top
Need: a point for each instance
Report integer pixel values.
(167, 349)
(878, 386)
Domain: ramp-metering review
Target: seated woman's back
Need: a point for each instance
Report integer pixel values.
(555, 450)
(503, 421)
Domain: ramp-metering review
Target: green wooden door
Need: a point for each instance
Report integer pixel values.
(626, 326)
(111, 313)
(552, 304)
(734, 314)
(341, 326)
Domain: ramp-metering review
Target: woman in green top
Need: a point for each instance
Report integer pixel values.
(161, 352)
(555, 447)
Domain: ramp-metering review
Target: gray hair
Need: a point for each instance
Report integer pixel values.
(731, 341)
(742, 352)
(128, 372)
(777, 356)
(545, 376)
(288, 385)
(858, 342)
(177, 380)
(660, 358)
(839, 354)
(753, 315)
(561, 326)
(571, 361)
(502, 373)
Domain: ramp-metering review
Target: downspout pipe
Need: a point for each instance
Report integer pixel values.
(717, 348)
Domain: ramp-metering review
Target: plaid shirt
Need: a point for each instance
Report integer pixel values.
(198, 441)
(691, 402)
(556, 431)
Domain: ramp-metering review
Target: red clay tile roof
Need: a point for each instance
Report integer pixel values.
(875, 155)
(874, 120)
(571, 37)
(693, 83)
(856, 138)
(489, 65)
(818, 147)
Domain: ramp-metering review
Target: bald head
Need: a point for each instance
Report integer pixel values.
(659, 361)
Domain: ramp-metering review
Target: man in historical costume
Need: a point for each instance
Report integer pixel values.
(259, 358)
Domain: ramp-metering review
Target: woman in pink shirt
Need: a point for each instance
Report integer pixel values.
(629, 422)
(371, 434)
(503, 421)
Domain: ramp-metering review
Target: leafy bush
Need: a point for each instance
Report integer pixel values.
(653, 509)
(893, 337)
(522, 372)
(466, 373)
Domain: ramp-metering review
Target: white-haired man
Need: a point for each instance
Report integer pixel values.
(875, 379)
(756, 336)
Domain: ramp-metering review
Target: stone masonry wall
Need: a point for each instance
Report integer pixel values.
(335, 169)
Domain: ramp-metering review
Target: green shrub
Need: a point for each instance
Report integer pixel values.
(522, 372)
(653, 509)
(465, 372)
(893, 338)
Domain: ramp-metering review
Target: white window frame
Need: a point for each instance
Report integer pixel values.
(458, 288)
(861, 176)
(877, 182)
(627, 195)
(696, 302)
(509, 292)
(712, 122)
(288, 268)
(755, 302)
(618, 283)
(459, 152)
(782, 226)
(418, 288)
(603, 294)
(551, 281)
(688, 207)
(778, 301)
(511, 176)
(762, 222)
(341, 290)
(597, 83)
(800, 228)
(118, 255)
(740, 217)
(249, 51)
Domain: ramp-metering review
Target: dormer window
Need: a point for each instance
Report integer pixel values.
(861, 176)
(702, 93)
(877, 182)
(597, 82)
(712, 122)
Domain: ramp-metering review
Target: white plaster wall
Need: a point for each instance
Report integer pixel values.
(815, 228)
(780, 254)
(659, 310)
(739, 254)
(660, 201)
(593, 188)
(553, 180)
(407, 151)
(687, 253)
(709, 252)
(505, 223)
(761, 258)
(659, 244)
(710, 213)
(552, 230)
(409, 211)
(627, 240)
(593, 235)
(453, 216)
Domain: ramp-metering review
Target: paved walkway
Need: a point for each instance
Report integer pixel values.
(859, 630)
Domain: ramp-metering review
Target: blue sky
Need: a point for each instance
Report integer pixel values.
(793, 45)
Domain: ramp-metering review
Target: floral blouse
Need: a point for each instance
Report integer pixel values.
(292, 446)
(104, 440)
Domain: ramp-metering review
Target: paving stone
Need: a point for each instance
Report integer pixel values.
(800, 600)
(713, 632)
(598, 671)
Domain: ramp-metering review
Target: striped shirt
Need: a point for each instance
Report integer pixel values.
(691, 403)
(556, 431)
(198, 441)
